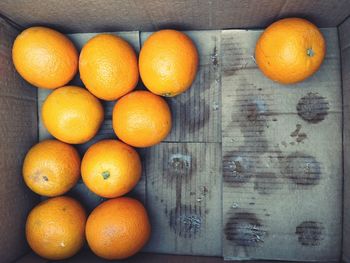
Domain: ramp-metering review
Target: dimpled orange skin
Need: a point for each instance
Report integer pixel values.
(55, 228)
(111, 168)
(118, 228)
(168, 62)
(44, 57)
(141, 119)
(51, 168)
(72, 114)
(290, 50)
(108, 67)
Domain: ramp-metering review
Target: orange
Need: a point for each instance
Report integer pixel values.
(118, 228)
(44, 57)
(72, 114)
(111, 168)
(51, 168)
(168, 62)
(55, 228)
(141, 119)
(290, 50)
(108, 67)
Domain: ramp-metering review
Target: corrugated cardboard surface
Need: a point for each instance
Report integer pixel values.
(344, 35)
(109, 15)
(183, 173)
(18, 132)
(282, 157)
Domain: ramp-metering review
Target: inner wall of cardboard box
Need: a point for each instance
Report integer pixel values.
(294, 219)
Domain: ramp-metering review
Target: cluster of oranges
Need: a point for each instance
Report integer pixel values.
(288, 51)
(108, 67)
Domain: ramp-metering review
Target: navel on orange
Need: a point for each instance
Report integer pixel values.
(168, 62)
(111, 168)
(51, 168)
(141, 119)
(55, 228)
(72, 114)
(290, 50)
(118, 228)
(44, 57)
(108, 66)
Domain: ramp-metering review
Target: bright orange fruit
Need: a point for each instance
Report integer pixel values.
(44, 57)
(141, 119)
(290, 50)
(118, 228)
(72, 114)
(168, 62)
(111, 168)
(108, 66)
(55, 228)
(51, 168)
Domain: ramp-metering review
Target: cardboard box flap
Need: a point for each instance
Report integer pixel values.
(344, 37)
(106, 15)
(18, 132)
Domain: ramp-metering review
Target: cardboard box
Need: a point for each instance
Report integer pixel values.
(264, 172)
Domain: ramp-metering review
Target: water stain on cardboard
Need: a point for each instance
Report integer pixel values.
(266, 183)
(245, 229)
(198, 118)
(238, 168)
(310, 233)
(298, 135)
(302, 169)
(180, 164)
(254, 109)
(256, 144)
(313, 108)
(214, 57)
(186, 221)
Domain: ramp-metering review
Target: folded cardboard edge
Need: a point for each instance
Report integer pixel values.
(344, 37)
(103, 15)
(88, 257)
(18, 105)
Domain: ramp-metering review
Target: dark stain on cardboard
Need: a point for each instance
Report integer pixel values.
(313, 108)
(296, 131)
(186, 221)
(298, 135)
(245, 229)
(310, 233)
(252, 118)
(254, 110)
(302, 169)
(181, 164)
(266, 183)
(237, 168)
(254, 144)
(197, 117)
(214, 57)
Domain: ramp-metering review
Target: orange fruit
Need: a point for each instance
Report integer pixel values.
(55, 228)
(141, 119)
(44, 57)
(118, 228)
(168, 62)
(108, 67)
(111, 168)
(51, 168)
(290, 50)
(72, 114)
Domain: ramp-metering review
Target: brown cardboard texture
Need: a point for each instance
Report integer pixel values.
(252, 170)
